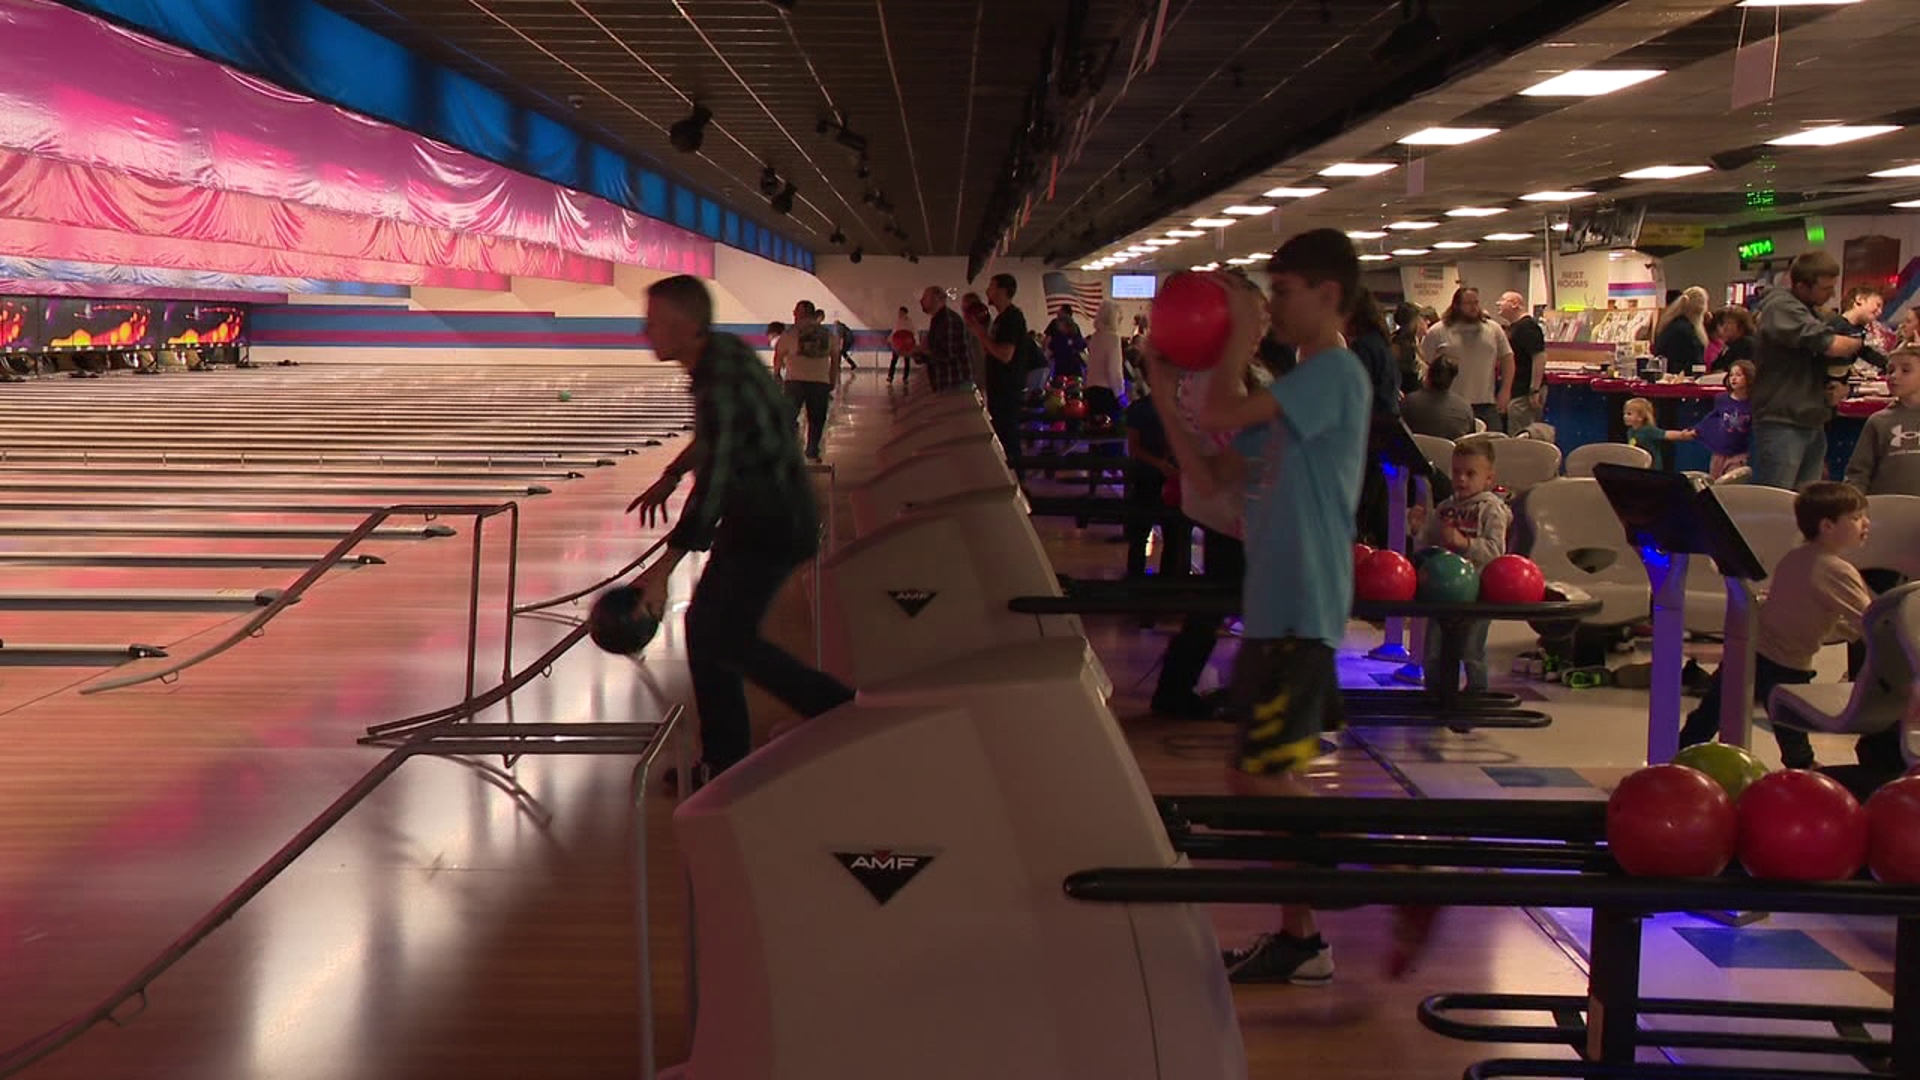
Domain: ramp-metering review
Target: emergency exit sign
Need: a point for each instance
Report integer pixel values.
(1756, 249)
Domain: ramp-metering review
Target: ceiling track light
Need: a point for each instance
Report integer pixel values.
(687, 135)
(769, 182)
(783, 202)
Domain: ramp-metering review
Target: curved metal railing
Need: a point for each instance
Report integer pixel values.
(341, 550)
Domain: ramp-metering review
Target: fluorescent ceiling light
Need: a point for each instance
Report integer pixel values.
(1249, 211)
(1160, 243)
(1413, 226)
(1665, 172)
(1185, 234)
(1589, 83)
(1506, 237)
(1833, 135)
(1556, 196)
(1455, 245)
(1204, 268)
(1447, 136)
(1910, 204)
(1365, 234)
(1293, 192)
(1410, 251)
(1898, 173)
(1244, 260)
(1560, 226)
(1476, 211)
(1212, 222)
(1091, 266)
(1794, 3)
(1375, 258)
(1358, 168)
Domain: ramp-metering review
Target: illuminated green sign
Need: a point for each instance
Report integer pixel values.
(1756, 249)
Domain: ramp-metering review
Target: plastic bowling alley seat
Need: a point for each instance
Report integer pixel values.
(968, 463)
(878, 894)
(1579, 540)
(1739, 474)
(914, 437)
(1881, 695)
(1580, 463)
(1438, 451)
(1520, 464)
(1764, 516)
(1893, 537)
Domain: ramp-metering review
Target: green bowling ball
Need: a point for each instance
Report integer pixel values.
(1424, 554)
(1055, 403)
(1732, 767)
(566, 395)
(1446, 578)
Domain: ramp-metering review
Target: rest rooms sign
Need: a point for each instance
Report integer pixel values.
(1428, 286)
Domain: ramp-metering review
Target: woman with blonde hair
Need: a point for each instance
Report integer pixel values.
(1104, 375)
(1681, 333)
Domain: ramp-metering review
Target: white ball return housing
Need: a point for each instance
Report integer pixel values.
(934, 585)
(968, 463)
(879, 893)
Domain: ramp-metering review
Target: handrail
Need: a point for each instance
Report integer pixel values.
(542, 605)
(519, 739)
(251, 628)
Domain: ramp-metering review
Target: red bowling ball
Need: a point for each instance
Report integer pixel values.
(1800, 825)
(1893, 832)
(902, 341)
(1074, 410)
(1192, 318)
(1512, 579)
(1671, 821)
(1360, 553)
(1386, 577)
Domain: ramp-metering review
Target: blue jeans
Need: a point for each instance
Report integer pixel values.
(1473, 655)
(1785, 456)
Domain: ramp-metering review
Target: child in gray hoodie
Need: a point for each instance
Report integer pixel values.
(1472, 524)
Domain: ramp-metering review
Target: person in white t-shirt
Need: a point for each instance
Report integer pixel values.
(1105, 376)
(1480, 351)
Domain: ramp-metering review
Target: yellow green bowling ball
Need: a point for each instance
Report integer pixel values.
(1732, 767)
(566, 395)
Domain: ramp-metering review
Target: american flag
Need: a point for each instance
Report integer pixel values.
(1084, 297)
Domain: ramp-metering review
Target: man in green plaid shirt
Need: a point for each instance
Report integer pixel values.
(751, 505)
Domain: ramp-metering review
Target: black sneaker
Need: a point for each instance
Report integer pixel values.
(1277, 958)
(1182, 707)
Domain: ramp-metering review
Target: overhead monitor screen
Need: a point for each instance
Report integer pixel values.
(1134, 286)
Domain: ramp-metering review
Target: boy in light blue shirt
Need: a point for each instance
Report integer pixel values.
(1305, 442)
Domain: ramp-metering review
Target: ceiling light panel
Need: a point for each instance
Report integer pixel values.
(1901, 172)
(1249, 211)
(1447, 136)
(1589, 83)
(1293, 192)
(1366, 234)
(1455, 245)
(1185, 234)
(1411, 251)
(1358, 168)
(1413, 226)
(1211, 223)
(1665, 172)
(1375, 258)
(1556, 196)
(1507, 237)
(1833, 135)
(1476, 211)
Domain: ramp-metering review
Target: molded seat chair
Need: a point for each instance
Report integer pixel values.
(1523, 463)
(1893, 539)
(1883, 694)
(1569, 517)
(1739, 474)
(1439, 451)
(1580, 463)
(1764, 516)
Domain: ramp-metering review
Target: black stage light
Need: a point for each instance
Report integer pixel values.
(687, 135)
(837, 238)
(769, 182)
(783, 202)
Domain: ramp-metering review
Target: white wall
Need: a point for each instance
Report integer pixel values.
(871, 290)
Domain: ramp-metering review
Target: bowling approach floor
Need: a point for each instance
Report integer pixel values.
(442, 930)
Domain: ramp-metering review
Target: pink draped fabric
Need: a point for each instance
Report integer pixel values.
(180, 122)
(42, 189)
(39, 239)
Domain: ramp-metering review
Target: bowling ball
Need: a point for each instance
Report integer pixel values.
(617, 624)
(1671, 821)
(1385, 578)
(1054, 403)
(1360, 553)
(1733, 767)
(1192, 318)
(1100, 422)
(1893, 832)
(1420, 557)
(1512, 579)
(1170, 492)
(1074, 410)
(902, 341)
(1446, 578)
(1800, 825)
(566, 395)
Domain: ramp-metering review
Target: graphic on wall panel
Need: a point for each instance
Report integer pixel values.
(98, 324)
(185, 323)
(19, 324)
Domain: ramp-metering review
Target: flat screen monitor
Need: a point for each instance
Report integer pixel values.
(1134, 286)
(188, 323)
(97, 324)
(19, 324)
